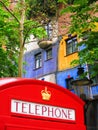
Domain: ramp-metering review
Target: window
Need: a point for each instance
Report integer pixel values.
(68, 83)
(38, 60)
(49, 30)
(71, 45)
(49, 53)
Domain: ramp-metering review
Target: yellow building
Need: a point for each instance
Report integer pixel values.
(67, 52)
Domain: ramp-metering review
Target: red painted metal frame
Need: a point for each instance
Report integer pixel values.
(29, 90)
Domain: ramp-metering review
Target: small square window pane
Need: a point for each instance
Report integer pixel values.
(49, 53)
(38, 60)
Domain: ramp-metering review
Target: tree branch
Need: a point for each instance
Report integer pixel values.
(9, 11)
(30, 30)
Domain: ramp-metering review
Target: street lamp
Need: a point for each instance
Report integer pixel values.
(82, 84)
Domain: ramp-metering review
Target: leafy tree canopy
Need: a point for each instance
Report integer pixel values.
(42, 9)
(84, 22)
(16, 25)
(8, 44)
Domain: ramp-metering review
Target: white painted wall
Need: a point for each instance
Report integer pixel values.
(49, 78)
(31, 44)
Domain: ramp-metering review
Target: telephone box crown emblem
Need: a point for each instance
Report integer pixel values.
(46, 95)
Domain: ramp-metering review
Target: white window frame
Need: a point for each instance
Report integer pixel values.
(71, 45)
(38, 60)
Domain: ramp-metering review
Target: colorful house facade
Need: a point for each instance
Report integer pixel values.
(42, 63)
(53, 62)
(41, 57)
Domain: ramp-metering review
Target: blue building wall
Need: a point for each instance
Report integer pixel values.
(48, 66)
(63, 75)
(95, 90)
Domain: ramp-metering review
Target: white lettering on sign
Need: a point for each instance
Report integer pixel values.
(36, 109)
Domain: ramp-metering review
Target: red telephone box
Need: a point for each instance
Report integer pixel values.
(27, 104)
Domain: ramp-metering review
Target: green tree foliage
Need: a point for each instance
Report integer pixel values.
(16, 26)
(84, 15)
(42, 9)
(8, 45)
